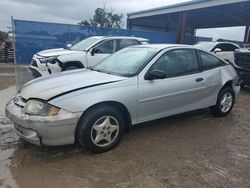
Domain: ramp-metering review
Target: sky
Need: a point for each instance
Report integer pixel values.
(73, 11)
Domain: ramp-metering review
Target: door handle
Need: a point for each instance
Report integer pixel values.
(199, 79)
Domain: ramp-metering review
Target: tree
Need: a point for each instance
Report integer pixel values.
(3, 35)
(104, 18)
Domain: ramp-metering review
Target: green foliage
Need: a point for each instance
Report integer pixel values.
(3, 35)
(104, 18)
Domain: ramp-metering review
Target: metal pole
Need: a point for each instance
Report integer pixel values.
(247, 35)
(14, 48)
(14, 38)
(69, 35)
(182, 28)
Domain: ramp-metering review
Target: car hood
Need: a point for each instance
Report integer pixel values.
(55, 52)
(48, 87)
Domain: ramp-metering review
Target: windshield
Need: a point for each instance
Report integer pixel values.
(84, 44)
(126, 62)
(207, 46)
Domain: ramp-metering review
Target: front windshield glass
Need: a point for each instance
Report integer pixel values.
(207, 46)
(84, 44)
(126, 62)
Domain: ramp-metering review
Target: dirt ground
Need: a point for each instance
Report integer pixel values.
(189, 150)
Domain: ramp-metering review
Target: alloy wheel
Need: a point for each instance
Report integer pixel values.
(104, 131)
(226, 102)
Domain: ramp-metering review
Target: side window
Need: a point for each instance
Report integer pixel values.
(230, 47)
(178, 62)
(209, 61)
(226, 47)
(106, 47)
(220, 46)
(123, 43)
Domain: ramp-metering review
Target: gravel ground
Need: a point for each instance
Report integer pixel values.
(188, 150)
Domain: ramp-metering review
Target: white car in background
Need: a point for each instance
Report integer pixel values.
(223, 50)
(86, 53)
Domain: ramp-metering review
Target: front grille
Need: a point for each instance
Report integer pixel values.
(34, 63)
(243, 60)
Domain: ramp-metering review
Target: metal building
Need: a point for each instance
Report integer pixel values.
(184, 18)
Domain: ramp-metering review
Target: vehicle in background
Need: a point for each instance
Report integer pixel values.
(86, 53)
(246, 46)
(223, 50)
(242, 65)
(137, 84)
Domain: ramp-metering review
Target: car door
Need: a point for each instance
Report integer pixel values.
(101, 51)
(211, 67)
(183, 89)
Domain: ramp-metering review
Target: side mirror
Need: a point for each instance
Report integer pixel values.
(155, 74)
(69, 45)
(217, 50)
(92, 51)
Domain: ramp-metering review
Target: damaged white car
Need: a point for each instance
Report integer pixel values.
(86, 53)
(137, 84)
(223, 50)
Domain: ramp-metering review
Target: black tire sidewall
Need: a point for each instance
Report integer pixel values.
(87, 121)
(71, 68)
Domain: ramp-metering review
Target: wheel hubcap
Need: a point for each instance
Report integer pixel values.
(226, 102)
(104, 131)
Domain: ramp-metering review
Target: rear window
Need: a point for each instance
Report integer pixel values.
(226, 47)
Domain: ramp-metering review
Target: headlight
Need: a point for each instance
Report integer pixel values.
(40, 108)
(48, 59)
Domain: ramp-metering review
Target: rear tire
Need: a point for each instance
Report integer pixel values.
(101, 129)
(224, 104)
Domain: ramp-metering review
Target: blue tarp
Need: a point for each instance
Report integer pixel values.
(32, 37)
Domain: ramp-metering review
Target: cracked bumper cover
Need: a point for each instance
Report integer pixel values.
(43, 130)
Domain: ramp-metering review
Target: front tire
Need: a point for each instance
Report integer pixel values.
(71, 68)
(101, 129)
(224, 104)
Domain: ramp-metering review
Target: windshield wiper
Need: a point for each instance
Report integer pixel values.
(93, 69)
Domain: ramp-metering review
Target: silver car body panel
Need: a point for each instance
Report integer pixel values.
(76, 91)
(48, 87)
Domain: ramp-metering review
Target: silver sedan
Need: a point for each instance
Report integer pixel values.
(137, 84)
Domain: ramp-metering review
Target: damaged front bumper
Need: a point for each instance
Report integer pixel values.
(43, 130)
(35, 71)
(44, 69)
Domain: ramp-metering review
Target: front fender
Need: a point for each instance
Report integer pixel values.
(124, 92)
(79, 57)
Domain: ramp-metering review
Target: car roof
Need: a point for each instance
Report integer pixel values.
(163, 46)
(218, 42)
(120, 37)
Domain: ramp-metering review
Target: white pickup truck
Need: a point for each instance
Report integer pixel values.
(84, 54)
